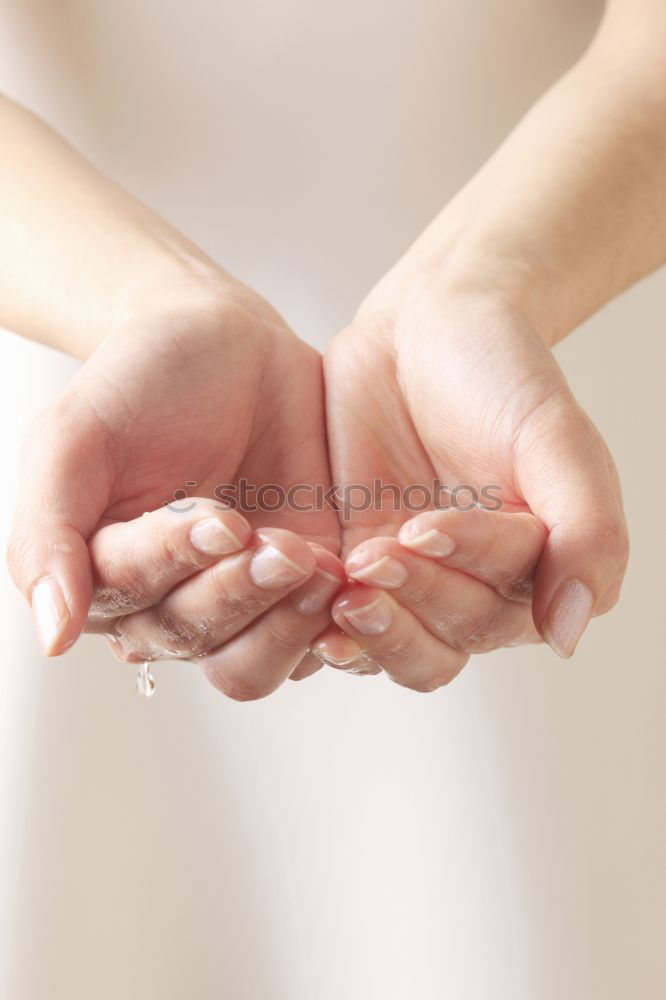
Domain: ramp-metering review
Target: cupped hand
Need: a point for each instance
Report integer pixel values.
(435, 384)
(201, 585)
(202, 387)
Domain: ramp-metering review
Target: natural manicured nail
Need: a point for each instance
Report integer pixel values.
(385, 572)
(213, 538)
(428, 543)
(116, 647)
(347, 653)
(272, 569)
(319, 591)
(50, 611)
(568, 617)
(370, 619)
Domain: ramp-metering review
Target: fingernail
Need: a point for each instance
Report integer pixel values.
(428, 543)
(370, 619)
(51, 613)
(348, 653)
(570, 612)
(213, 538)
(272, 569)
(385, 572)
(317, 593)
(116, 647)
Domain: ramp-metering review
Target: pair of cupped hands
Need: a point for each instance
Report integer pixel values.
(206, 385)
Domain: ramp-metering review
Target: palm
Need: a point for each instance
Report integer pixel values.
(208, 401)
(441, 398)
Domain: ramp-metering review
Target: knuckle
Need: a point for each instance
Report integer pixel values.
(613, 537)
(179, 637)
(428, 594)
(179, 555)
(284, 636)
(518, 588)
(401, 650)
(606, 536)
(109, 602)
(485, 632)
(605, 545)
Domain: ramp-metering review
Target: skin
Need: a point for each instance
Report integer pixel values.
(452, 372)
(445, 371)
(143, 417)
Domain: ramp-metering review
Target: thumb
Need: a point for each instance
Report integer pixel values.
(64, 488)
(567, 476)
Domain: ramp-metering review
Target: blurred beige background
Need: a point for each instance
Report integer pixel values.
(346, 839)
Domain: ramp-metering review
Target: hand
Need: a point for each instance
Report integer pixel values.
(206, 385)
(433, 383)
(199, 584)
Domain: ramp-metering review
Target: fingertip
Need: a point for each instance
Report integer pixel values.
(567, 617)
(337, 650)
(386, 572)
(309, 665)
(317, 593)
(366, 611)
(288, 544)
(220, 533)
(328, 562)
(55, 575)
(355, 594)
(57, 625)
(426, 540)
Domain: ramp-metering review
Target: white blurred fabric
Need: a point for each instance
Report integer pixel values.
(502, 839)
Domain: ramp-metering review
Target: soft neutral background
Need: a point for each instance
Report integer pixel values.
(503, 839)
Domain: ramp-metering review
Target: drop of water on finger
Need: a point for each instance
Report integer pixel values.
(145, 682)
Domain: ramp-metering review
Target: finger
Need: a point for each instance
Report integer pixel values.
(395, 640)
(464, 612)
(136, 563)
(337, 650)
(308, 666)
(211, 607)
(64, 488)
(498, 548)
(567, 477)
(257, 661)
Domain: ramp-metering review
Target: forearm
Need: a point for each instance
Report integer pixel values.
(78, 253)
(572, 208)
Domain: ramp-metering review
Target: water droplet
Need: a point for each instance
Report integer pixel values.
(145, 682)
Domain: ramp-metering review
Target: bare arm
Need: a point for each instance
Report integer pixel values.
(572, 207)
(444, 371)
(77, 252)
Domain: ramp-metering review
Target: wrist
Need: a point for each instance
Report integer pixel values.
(151, 284)
(478, 262)
(199, 308)
(419, 287)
